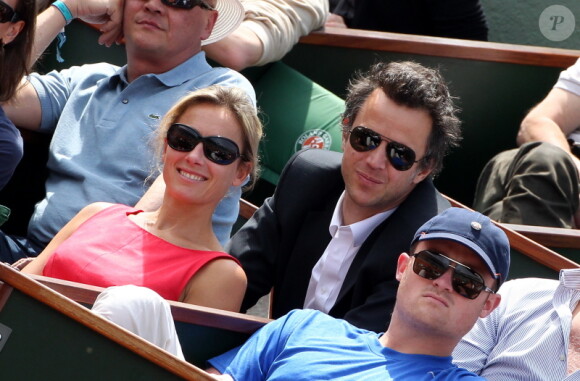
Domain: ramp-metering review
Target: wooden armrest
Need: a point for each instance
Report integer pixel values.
(442, 47)
(247, 209)
(529, 247)
(548, 236)
(183, 312)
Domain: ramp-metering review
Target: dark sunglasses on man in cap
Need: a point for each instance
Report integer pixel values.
(466, 282)
(363, 139)
(217, 149)
(188, 4)
(7, 13)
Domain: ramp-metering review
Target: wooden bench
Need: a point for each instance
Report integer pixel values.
(52, 330)
(47, 336)
(203, 332)
(496, 84)
(563, 241)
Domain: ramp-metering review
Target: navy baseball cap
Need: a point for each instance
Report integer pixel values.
(474, 230)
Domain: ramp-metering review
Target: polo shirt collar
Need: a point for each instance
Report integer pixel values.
(177, 76)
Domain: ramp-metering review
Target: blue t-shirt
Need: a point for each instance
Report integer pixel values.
(10, 148)
(103, 130)
(310, 345)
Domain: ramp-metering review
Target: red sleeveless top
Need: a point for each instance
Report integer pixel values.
(111, 250)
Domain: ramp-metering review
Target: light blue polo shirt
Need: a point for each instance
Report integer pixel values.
(103, 126)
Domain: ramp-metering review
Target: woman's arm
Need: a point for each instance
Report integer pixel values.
(219, 284)
(37, 265)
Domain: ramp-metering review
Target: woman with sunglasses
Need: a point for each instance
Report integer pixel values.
(17, 22)
(208, 142)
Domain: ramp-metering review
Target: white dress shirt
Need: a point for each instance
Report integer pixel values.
(329, 272)
(526, 337)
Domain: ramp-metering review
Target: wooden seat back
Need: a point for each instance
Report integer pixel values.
(495, 85)
(203, 332)
(47, 336)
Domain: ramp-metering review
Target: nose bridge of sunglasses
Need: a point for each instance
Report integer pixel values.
(400, 156)
(448, 274)
(443, 264)
(199, 148)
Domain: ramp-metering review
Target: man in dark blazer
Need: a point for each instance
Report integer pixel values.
(285, 245)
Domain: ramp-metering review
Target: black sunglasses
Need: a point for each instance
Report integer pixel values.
(188, 4)
(364, 139)
(466, 282)
(218, 149)
(7, 13)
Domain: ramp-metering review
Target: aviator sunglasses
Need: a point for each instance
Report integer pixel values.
(466, 282)
(364, 139)
(7, 13)
(187, 4)
(217, 149)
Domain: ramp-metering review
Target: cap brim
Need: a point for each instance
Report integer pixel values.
(230, 16)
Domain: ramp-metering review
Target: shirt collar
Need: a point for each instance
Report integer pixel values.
(570, 278)
(174, 77)
(119, 76)
(569, 286)
(361, 229)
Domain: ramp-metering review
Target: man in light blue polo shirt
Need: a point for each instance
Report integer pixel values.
(103, 116)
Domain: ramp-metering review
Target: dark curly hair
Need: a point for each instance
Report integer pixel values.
(412, 85)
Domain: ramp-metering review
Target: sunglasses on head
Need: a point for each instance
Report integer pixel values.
(466, 282)
(188, 4)
(7, 13)
(364, 139)
(217, 149)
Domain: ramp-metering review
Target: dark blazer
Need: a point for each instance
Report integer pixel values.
(281, 243)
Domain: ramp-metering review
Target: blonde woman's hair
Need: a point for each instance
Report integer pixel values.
(237, 102)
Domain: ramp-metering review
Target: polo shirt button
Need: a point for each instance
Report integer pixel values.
(125, 101)
(562, 357)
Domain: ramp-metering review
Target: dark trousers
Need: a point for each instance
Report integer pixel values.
(536, 184)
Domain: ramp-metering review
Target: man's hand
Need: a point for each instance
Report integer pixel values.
(335, 21)
(109, 13)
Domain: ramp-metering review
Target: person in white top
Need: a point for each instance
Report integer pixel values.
(537, 183)
(534, 334)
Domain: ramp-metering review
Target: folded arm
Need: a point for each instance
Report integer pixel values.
(269, 31)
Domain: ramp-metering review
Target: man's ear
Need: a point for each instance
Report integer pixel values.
(402, 264)
(210, 23)
(424, 172)
(490, 304)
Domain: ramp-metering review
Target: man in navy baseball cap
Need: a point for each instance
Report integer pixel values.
(475, 231)
(448, 280)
